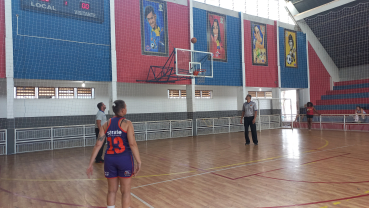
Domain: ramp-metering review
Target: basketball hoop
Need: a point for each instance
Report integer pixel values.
(200, 75)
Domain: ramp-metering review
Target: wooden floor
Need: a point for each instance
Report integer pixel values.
(298, 168)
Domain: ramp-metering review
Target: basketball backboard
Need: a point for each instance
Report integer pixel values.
(188, 61)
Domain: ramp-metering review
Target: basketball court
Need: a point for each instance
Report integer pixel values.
(287, 169)
(184, 69)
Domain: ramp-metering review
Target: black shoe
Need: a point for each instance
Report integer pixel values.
(247, 143)
(256, 144)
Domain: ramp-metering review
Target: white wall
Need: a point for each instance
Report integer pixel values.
(224, 99)
(153, 98)
(354, 73)
(60, 107)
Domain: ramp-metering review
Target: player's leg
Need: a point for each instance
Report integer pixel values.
(309, 123)
(254, 132)
(111, 173)
(112, 190)
(246, 124)
(126, 170)
(125, 189)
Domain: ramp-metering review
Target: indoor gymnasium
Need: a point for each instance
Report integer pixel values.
(184, 103)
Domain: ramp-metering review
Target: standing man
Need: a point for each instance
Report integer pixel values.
(100, 120)
(249, 113)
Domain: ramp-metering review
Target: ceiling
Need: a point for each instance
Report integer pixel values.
(343, 31)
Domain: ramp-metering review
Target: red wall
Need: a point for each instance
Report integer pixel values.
(2, 40)
(319, 77)
(131, 64)
(261, 76)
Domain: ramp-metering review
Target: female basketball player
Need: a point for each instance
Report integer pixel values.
(310, 114)
(119, 164)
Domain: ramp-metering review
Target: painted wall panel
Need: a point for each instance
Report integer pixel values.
(2, 40)
(131, 64)
(294, 77)
(48, 46)
(261, 76)
(224, 73)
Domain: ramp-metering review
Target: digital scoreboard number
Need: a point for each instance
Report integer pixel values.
(89, 10)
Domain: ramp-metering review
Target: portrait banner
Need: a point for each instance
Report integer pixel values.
(217, 36)
(259, 44)
(290, 48)
(154, 31)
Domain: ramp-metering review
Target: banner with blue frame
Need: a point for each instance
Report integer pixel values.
(290, 43)
(259, 44)
(154, 32)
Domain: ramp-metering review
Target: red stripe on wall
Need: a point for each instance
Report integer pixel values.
(319, 77)
(261, 76)
(131, 64)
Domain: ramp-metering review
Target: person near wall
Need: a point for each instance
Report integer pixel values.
(100, 120)
(359, 111)
(120, 156)
(249, 113)
(310, 110)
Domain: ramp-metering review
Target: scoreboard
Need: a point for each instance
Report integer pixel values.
(90, 10)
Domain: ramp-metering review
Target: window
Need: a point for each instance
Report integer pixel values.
(53, 93)
(268, 95)
(84, 93)
(197, 94)
(261, 94)
(253, 94)
(173, 93)
(206, 94)
(25, 92)
(46, 92)
(66, 92)
(182, 93)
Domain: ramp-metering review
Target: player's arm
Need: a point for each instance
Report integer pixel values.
(316, 111)
(98, 123)
(133, 145)
(255, 115)
(99, 142)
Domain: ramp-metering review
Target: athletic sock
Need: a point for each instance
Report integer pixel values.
(111, 206)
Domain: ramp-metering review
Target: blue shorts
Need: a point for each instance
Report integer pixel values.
(118, 166)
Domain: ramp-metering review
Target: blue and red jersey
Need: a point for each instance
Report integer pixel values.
(117, 138)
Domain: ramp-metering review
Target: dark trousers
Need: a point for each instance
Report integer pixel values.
(99, 155)
(248, 122)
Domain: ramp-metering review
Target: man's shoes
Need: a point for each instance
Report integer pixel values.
(256, 144)
(247, 143)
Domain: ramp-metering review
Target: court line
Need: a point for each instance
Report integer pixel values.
(43, 200)
(319, 202)
(307, 163)
(147, 204)
(86, 179)
(150, 184)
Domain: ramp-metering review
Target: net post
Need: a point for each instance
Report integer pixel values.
(15, 141)
(320, 122)
(291, 114)
(170, 129)
(344, 122)
(259, 115)
(52, 137)
(84, 135)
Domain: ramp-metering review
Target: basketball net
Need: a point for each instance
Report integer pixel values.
(200, 76)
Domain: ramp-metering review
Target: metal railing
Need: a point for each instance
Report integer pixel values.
(3, 142)
(345, 122)
(61, 137)
(205, 126)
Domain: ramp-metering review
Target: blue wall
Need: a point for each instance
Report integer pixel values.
(224, 73)
(41, 58)
(294, 77)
